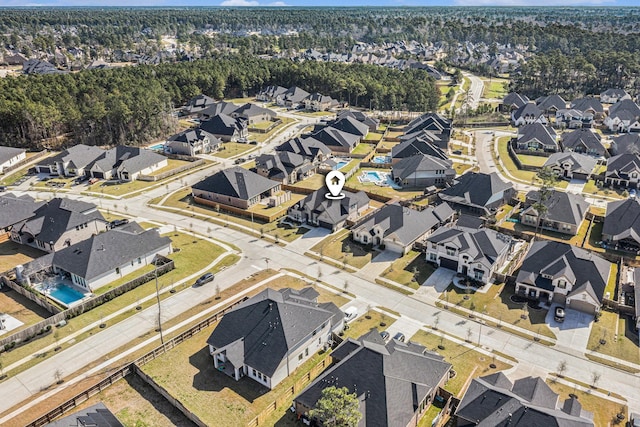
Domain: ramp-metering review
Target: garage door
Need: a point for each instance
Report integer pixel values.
(449, 263)
(583, 306)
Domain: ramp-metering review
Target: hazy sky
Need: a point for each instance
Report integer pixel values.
(318, 3)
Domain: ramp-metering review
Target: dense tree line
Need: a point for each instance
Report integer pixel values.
(132, 105)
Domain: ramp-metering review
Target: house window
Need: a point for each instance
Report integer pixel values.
(319, 341)
(306, 351)
(253, 371)
(300, 356)
(117, 270)
(139, 260)
(434, 245)
(365, 239)
(433, 257)
(451, 251)
(562, 284)
(477, 274)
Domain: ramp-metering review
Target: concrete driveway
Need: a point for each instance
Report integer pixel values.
(575, 186)
(440, 279)
(574, 332)
(407, 326)
(309, 239)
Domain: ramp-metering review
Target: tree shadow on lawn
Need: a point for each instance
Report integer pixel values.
(355, 248)
(535, 315)
(210, 379)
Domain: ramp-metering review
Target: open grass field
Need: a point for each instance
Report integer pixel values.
(232, 149)
(619, 340)
(466, 362)
(13, 254)
(262, 137)
(497, 303)
(314, 182)
(402, 270)
(494, 88)
(340, 247)
(171, 165)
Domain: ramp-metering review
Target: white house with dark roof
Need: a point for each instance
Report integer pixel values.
(611, 96)
(240, 188)
(293, 97)
(475, 253)
(493, 400)
(269, 335)
(10, 156)
(571, 118)
(270, 93)
(564, 212)
(74, 161)
(421, 171)
(284, 166)
(571, 165)
(192, 142)
(551, 104)
(313, 150)
(623, 171)
(589, 105)
(557, 272)
(16, 209)
(226, 128)
(395, 382)
(527, 114)
(126, 163)
(398, 228)
(625, 144)
(512, 101)
(317, 210)
(624, 116)
(58, 223)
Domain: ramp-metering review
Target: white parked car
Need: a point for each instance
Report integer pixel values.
(350, 313)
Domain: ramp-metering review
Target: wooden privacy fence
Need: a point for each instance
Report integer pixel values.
(286, 396)
(172, 172)
(83, 396)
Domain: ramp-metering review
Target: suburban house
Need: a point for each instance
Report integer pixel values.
(584, 141)
(433, 123)
(126, 163)
(537, 138)
(226, 127)
(611, 96)
(623, 171)
(10, 156)
(557, 272)
(415, 146)
(564, 212)
(317, 210)
(269, 335)
(57, 224)
(312, 149)
(197, 104)
(192, 142)
(478, 193)
(293, 98)
(14, 210)
(475, 253)
(253, 113)
(589, 105)
(571, 165)
(398, 228)
(319, 102)
(551, 104)
(527, 114)
(629, 143)
(621, 229)
(573, 119)
(337, 140)
(74, 161)
(350, 125)
(240, 188)
(371, 122)
(284, 166)
(96, 415)
(395, 382)
(624, 116)
(493, 400)
(636, 295)
(421, 171)
(270, 93)
(105, 257)
(512, 102)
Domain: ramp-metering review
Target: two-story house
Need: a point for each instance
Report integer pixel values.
(624, 144)
(269, 335)
(310, 148)
(557, 272)
(415, 146)
(226, 128)
(475, 253)
(319, 102)
(527, 114)
(551, 104)
(613, 95)
(589, 105)
(317, 210)
(512, 102)
(564, 212)
(293, 98)
(284, 166)
(624, 116)
(192, 142)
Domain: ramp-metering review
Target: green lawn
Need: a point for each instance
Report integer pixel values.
(262, 125)
(171, 165)
(353, 182)
(362, 325)
(591, 188)
(402, 270)
(611, 283)
(314, 182)
(494, 88)
(363, 148)
(497, 303)
(548, 234)
(618, 341)
(604, 410)
(232, 149)
(373, 136)
(461, 168)
(538, 161)
(262, 137)
(340, 247)
(350, 166)
(466, 362)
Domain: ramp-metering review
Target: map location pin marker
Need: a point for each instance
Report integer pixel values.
(335, 181)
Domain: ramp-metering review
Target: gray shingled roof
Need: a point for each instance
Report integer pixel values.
(270, 325)
(308, 147)
(332, 137)
(130, 159)
(223, 124)
(191, 136)
(420, 163)
(416, 145)
(8, 153)
(483, 245)
(198, 103)
(546, 135)
(622, 220)
(14, 209)
(493, 401)
(79, 156)
(614, 92)
(371, 122)
(96, 415)
(429, 121)
(295, 95)
(236, 182)
(104, 252)
(586, 103)
(626, 106)
(564, 207)
(280, 164)
(551, 101)
(580, 163)
(252, 110)
(622, 164)
(404, 224)
(332, 211)
(475, 189)
(390, 379)
(585, 138)
(350, 125)
(515, 99)
(527, 110)
(583, 268)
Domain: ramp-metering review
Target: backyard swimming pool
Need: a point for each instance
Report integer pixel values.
(341, 164)
(156, 147)
(373, 176)
(381, 159)
(63, 293)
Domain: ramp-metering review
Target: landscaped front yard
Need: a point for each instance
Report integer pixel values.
(591, 188)
(232, 149)
(494, 88)
(619, 340)
(341, 248)
(362, 324)
(314, 182)
(409, 267)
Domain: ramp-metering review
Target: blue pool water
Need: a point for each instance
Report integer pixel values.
(380, 159)
(157, 147)
(65, 293)
(373, 176)
(341, 164)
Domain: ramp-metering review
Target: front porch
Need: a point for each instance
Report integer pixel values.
(544, 297)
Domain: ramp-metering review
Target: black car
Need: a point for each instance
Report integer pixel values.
(205, 278)
(399, 337)
(118, 222)
(457, 152)
(3, 188)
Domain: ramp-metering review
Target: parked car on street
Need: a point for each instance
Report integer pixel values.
(205, 278)
(118, 222)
